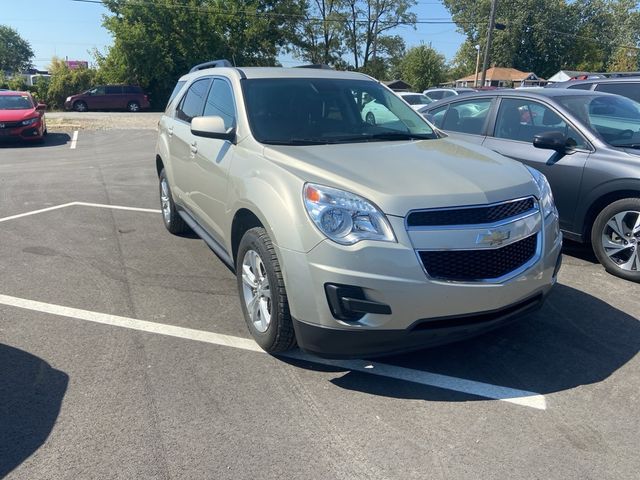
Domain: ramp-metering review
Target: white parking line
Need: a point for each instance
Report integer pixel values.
(74, 140)
(519, 397)
(33, 212)
(81, 204)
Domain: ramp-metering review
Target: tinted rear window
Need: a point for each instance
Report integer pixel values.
(627, 89)
(113, 89)
(175, 91)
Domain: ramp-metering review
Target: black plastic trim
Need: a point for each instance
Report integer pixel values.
(366, 342)
(211, 242)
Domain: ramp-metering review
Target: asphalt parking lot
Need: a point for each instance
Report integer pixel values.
(123, 354)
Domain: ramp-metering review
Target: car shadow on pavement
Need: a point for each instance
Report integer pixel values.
(583, 251)
(31, 393)
(575, 339)
(51, 140)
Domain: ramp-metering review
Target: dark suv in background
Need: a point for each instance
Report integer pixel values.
(626, 86)
(109, 97)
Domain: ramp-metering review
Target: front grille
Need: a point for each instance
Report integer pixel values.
(10, 124)
(470, 215)
(473, 265)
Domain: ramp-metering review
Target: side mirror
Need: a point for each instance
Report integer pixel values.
(551, 141)
(212, 127)
(41, 107)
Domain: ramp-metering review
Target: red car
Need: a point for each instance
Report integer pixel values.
(21, 117)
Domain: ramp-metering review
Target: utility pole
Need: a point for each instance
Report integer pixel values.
(475, 83)
(492, 22)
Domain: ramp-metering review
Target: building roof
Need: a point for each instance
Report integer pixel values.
(502, 73)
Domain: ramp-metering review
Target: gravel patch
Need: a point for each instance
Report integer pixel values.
(103, 120)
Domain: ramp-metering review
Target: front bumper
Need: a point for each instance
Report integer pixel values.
(30, 132)
(339, 343)
(391, 274)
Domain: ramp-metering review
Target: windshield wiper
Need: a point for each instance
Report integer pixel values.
(383, 136)
(299, 141)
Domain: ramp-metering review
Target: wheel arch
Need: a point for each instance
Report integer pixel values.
(601, 197)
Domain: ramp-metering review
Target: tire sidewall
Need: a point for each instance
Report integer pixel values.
(253, 241)
(596, 237)
(169, 225)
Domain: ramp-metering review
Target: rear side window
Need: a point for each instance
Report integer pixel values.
(113, 89)
(629, 90)
(437, 115)
(192, 104)
(581, 86)
(468, 116)
(447, 93)
(435, 95)
(220, 103)
(131, 89)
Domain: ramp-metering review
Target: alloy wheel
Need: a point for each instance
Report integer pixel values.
(256, 290)
(620, 239)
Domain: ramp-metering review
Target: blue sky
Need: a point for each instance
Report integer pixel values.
(71, 29)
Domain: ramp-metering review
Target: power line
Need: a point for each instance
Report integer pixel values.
(141, 3)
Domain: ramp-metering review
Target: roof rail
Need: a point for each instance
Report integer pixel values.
(320, 66)
(211, 64)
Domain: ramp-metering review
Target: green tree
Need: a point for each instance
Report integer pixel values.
(320, 35)
(157, 42)
(537, 36)
(366, 23)
(423, 67)
(15, 52)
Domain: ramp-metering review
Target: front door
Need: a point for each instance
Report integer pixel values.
(208, 190)
(517, 121)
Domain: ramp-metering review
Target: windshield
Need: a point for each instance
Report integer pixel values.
(417, 99)
(15, 102)
(310, 111)
(616, 120)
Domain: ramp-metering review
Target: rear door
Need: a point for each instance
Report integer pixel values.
(212, 160)
(180, 146)
(114, 98)
(517, 121)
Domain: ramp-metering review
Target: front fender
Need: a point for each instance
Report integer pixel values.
(276, 199)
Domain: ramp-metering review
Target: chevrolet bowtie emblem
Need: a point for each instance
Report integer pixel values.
(493, 237)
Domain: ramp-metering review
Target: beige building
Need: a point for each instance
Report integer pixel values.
(503, 77)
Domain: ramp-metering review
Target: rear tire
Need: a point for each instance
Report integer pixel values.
(615, 237)
(133, 106)
(80, 106)
(170, 216)
(262, 293)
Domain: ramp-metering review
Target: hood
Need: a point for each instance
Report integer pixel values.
(407, 175)
(17, 115)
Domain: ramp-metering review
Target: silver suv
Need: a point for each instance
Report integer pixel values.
(347, 238)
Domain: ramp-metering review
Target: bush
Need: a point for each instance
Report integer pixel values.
(65, 82)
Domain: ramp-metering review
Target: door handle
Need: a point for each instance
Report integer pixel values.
(170, 131)
(194, 148)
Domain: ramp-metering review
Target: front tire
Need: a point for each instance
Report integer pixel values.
(80, 106)
(262, 293)
(170, 216)
(370, 118)
(615, 237)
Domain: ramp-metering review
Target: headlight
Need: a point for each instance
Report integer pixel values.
(68, 99)
(345, 217)
(29, 121)
(545, 197)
